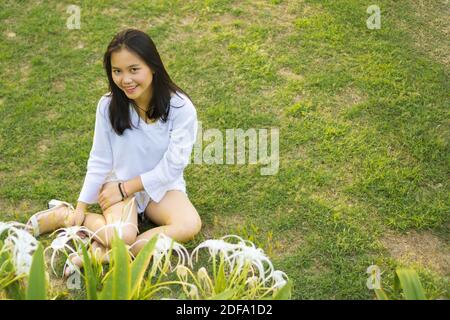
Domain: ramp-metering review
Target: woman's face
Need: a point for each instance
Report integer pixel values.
(131, 74)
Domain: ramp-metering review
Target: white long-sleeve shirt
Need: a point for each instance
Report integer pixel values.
(157, 152)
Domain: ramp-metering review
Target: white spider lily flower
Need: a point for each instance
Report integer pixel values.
(240, 240)
(22, 245)
(22, 262)
(66, 235)
(4, 226)
(62, 240)
(237, 254)
(252, 281)
(256, 257)
(162, 249)
(73, 233)
(214, 247)
(59, 244)
(280, 278)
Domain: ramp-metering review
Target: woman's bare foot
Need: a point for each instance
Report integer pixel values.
(99, 252)
(74, 260)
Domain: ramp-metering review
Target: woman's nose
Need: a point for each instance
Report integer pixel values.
(127, 81)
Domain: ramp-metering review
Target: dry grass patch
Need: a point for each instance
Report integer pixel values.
(350, 96)
(342, 103)
(59, 86)
(282, 14)
(52, 115)
(25, 69)
(10, 34)
(290, 75)
(432, 33)
(18, 211)
(188, 20)
(318, 269)
(111, 11)
(423, 249)
(44, 145)
(285, 244)
(223, 225)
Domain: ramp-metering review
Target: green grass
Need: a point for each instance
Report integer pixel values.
(363, 119)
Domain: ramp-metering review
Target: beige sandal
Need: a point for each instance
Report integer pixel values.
(54, 205)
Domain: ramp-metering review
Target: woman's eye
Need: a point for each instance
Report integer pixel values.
(134, 69)
(115, 71)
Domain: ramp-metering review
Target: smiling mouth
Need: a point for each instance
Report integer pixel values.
(130, 89)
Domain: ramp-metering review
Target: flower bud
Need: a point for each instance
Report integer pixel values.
(182, 272)
(193, 293)
(202, 274)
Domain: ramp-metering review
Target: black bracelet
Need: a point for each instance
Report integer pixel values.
(120, 189)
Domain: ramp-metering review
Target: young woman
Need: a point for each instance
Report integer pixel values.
(145, 129)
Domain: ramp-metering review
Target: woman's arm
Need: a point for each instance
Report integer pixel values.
(111, 194)
(82, 206)
(182, 138)
(100, 158)
(133, 185)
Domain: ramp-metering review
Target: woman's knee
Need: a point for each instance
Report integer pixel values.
(127, 234)
(129, 237)
(121, 222)
(188, 229)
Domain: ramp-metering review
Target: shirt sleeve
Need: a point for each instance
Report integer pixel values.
(100, 158)
(176, 158)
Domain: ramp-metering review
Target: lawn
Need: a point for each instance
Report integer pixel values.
(363, 119)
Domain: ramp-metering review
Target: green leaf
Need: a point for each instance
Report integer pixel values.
(225, 295)
(285, 292)
(409, 281)
(90, 278)
(121, 270)
(37, 283)
(106, 293)
(221, 277)
(139, 265)
(381, 295)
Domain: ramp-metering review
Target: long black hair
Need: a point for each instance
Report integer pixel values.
(141, 44)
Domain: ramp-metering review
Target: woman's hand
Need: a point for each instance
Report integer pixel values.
(110, 195)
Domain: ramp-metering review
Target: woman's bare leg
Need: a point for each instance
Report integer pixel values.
(94, 222)
(114, 214)
(126, 222)
(176, 216)
(103, 235)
